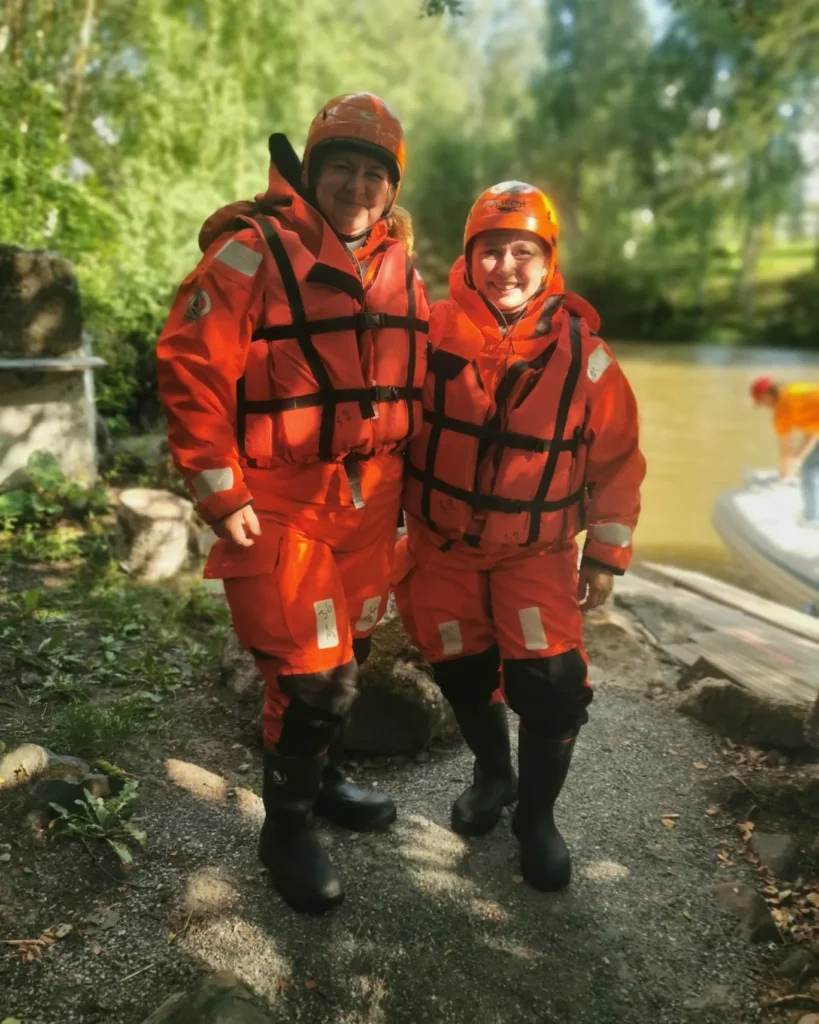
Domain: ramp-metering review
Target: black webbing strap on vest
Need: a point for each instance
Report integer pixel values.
(411, 310)
(358, 322)
(302, 335)
(446, 366)
(566, 397)
(376, 393)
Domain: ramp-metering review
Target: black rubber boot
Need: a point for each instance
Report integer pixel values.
(347, 805)
(544, 763)
(485, 729)
(289, 847)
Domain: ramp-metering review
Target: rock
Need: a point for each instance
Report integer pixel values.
(755, 921)
(400, 710)
(31, 761)
(715, 997)
(238, 669)
(778, 853)
(42, 315)
(744, 716)
(156, 532)
(798, 965)
(65, 792)
(220, 999)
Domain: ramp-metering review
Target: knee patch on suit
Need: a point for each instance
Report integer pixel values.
(549, 694)
(305, 731)
(332, 692)
(469, 681)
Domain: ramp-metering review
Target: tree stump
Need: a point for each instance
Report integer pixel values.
(156, 531)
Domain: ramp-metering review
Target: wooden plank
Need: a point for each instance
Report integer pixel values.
(685, 654)
(758, 669)
(759, 607)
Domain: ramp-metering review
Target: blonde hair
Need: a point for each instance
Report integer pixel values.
(399, 226)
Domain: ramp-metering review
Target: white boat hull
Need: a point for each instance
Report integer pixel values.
(762, 527)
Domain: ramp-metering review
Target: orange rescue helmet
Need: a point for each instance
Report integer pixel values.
(367, 124)
(761, 387)
(516, 206)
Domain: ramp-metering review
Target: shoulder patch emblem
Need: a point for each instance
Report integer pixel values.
(199, 305)
(599, 362)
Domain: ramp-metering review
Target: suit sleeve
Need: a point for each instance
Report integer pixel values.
(200, 356)
(615, 467)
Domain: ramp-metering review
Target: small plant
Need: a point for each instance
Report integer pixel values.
(101, 819)
(48, 497)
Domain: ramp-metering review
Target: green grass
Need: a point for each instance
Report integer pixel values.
(90, 660)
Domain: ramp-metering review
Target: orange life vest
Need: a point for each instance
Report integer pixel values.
(507, 469)
(338, 365)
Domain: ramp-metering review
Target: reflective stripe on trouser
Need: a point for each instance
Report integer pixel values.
(457, 604)
(301, 610)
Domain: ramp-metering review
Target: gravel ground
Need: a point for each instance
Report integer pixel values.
(434, 928)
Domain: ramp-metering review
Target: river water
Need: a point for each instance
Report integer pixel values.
(700, 433)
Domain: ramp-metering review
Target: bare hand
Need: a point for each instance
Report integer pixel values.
(595, 586)
(239, 526)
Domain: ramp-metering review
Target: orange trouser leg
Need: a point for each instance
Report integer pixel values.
(304, 612)
(464, 603)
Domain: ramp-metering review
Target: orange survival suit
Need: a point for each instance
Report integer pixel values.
(291, 373)
(530, 435)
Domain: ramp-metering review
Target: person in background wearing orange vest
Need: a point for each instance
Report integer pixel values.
(291, 369)
(530, 435)
(795, 408)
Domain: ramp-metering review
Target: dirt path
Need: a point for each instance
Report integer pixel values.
(434, 928)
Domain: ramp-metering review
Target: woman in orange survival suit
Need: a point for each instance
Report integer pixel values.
(291, 369)
(530, 434)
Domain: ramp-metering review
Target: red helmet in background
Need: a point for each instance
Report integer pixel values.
(761, 387)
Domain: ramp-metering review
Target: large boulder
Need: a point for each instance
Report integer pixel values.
(42, 315)
(400, 710)
(220, 999)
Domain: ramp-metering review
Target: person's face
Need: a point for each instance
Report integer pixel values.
(508, 267)
(353, 191)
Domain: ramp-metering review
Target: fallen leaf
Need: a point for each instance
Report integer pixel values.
(62, 930)
(171, 936)
(670, 814)
(813, 899)
(785, 894)
(309, 985)
(96, 950)
(669, 822)
(746, 826)
(11, 1020)
(517, 879)
(712, 811)
(702, 767)
(686, 915)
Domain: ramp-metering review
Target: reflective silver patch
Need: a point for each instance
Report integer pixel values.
(615, 534)
(326, 626)
(211, 481)
(531, 624)
(599, 362)
(239, 257)
(451, 637)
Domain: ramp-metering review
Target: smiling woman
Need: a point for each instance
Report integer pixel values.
(508, 267)
(353, 191)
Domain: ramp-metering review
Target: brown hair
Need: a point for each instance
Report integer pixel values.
(399, 226)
